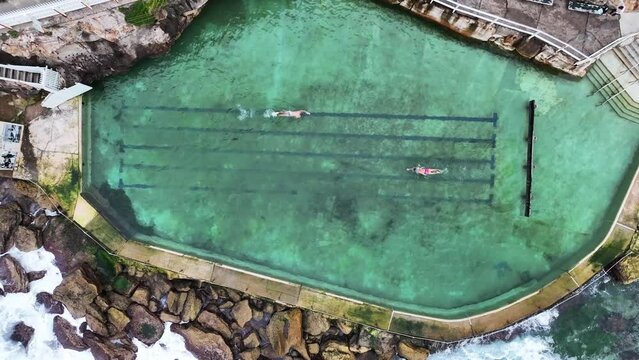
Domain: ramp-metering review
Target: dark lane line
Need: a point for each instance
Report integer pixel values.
(373, 116)
(306, 154)
(223, 190)
(258, 171)
(490, 141)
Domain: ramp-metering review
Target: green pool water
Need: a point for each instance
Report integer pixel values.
(178, 153)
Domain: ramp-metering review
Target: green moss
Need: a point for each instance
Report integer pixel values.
(370, 315)
(66, 191)
(142, 12)
(121, 284)
(608, 253)
(105, 265)
(148, 331)
(14, 34)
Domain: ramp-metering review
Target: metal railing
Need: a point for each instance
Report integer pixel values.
(531, 31)
(597, 54)
(44, 10)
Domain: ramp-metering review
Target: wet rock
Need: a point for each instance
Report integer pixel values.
(211, 321)
(315, 323)
(227, 305)
(154, 306)
(334, 350)
(118, 301)
(252, 354)
(233, 295)
(124, 285)
(385, 344)
(203, 345)
(192, 307)
(284, 332)
(102, 303)
(141, 296)
(97, 325)
(168, 317)
(10, 217)
(175, 302)
(36, 275)
(76, 293)
(25, 239)
(12, 276)
(22, 333)
(256, 303)
(182, 285)
(103, 349)
(370, 355)
(67, 243)
(207, 294)
(66, 335)
(251, 341)
(411, 352)
(144, 326)
(529, 47)
(51, 305)
(313, 348)
(2, 293)
(118, 319)
(242, 313)
(158, 285)
(344, 326)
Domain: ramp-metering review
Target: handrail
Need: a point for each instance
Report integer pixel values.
(44, 10)
(597, 54)
(533, 32)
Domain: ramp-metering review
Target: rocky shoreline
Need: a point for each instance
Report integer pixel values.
(121, 301)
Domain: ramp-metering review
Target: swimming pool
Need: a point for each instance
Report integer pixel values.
(181, 153)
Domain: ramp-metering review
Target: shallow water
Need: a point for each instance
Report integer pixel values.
(180, 153)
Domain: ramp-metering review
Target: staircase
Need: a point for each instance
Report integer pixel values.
(616, 77)
(35, 76)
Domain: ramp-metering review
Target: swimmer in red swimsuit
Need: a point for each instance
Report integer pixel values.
(296, 114)
(424, 171)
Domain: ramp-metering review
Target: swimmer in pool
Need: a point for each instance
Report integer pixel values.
(424, 171)
(296, 114)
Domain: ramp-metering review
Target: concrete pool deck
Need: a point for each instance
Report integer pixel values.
(618, 239)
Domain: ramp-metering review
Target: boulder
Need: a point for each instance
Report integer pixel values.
(51, 305)
(144, 325)
(284, 332)
(154, 306)
(168, 317)
(158, 285)
(233, 295)
(10, 217)
(192, 307)
(344, 326)
(315, 323)
(334, 350)
(104, 349)
(25, 239)
(313, 348)
(203, 345)
(252, 354)
(210, 321)
(411, 352)
(22, 333)
(36, 275)
(118, 301)
(251, 341)
(67, 243)
(242, 313)
(67, 335)
(12, 276)
(97, 325)
(102, 303)
(118, 319)
(141, 296)
(175, 302)
(76, 293)
(182, 285)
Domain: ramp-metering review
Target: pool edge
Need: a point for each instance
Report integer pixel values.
(384, 318)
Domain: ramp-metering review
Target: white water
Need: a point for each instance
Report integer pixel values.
(44, 345)
(527, 346)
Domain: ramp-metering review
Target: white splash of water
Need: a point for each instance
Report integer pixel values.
(244, 113)
(529, 346)
(269, 113)
(23, 307)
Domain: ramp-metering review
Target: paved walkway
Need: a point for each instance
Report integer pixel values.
(587, 33)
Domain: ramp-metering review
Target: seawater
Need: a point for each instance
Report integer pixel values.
(44, 345)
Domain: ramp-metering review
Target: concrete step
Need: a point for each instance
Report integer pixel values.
(627, 59)
(622, 104)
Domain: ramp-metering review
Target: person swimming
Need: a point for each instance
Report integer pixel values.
(424, 171)
(296, 114)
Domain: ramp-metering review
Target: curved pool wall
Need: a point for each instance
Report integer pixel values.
(480, 253)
